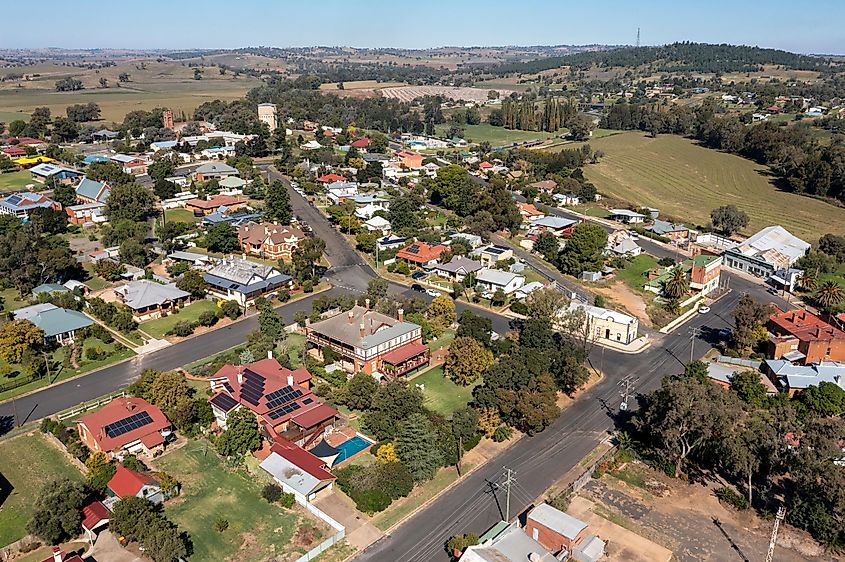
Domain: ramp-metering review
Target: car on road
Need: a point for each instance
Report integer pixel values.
(418, 288)
(772, 291)
(724, 332)
(432, 293)
(703, 309)
(418, 275)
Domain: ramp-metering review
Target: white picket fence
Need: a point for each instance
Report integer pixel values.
(85, 406)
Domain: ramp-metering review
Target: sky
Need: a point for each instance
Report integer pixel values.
(186, 24)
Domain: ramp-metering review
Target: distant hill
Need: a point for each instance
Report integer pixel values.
(677, 57)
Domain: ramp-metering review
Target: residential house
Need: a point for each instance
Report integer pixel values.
(280, 399)
(54, 172)
(90, 191)
(21, 204)
(472, 241)
(49, 288)
(625, 216)
(420, 253)
(104, 135)
(494, 279)
(604, 324)
(529, 212)
(149, 299)
(409, 160)
(339, 191)
(527, 289)
(135, 165)
(95, 159)
(769, 250)
(269, 240)
(218, 152)
(311, 145)
(793, 379)
(799, 336)
(674, 231)
(204, 207)
(127, 483)
(458, 268)
(223, 214)
(233, 185)
(86, 213)
(360, 144)
(58, 555)
(371, 342)
(214, 171)
(330, 178)
(126, 425)
(59, 324)
(196, 260)
(558, 226)
(566, 199)
(378, 224)
(492, 254)
(620, 244)
(723, 375)
(13, 152)
(244, 281)
(298, 472)
(544, 186)
(391, 242)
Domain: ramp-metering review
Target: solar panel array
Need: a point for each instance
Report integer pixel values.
(413, 249)
(126, 425)
(224, 401)
(282, 396)
(286, 409)
(252, 388)
(307, 401)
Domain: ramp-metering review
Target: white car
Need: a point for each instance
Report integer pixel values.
(432, 293)
(703, 309)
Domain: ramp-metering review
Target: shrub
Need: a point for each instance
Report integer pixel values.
(133, 463)
(181, 329)
(394, 479)
(371, 501)
(231, 309)
(308, 286)
(287, 500)
(732, 498)
(271, 492)
(96, 353)
(221, 524)
(208, 318)
(502, 433)
(560, 501)
(519, 307)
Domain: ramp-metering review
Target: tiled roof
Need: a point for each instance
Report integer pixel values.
(120, 409)
(127, 483)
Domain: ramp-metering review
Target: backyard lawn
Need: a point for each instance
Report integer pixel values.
(96, 283)
(15, 181)
(11, 299)
(444, 340)
(28, 463)
(441, 394)
(634, 273)
(257, 530)
(191, 313)
(180, 215)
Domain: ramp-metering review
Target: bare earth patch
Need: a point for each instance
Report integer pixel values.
(633, 303)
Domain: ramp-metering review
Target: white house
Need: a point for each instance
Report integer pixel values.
(378, 224)
(626, 216)
(493, 279)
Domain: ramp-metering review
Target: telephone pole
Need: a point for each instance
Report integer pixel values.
(627, 385)
(509, 479)
(694, 333)
(638, 38)
(778, 518)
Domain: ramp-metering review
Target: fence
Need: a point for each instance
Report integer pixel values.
(85, 406)
(751, 364)
(339, 535)
(17, 383)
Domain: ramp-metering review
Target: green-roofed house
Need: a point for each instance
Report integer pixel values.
(49, 288)
(703, 274)
(59, 324)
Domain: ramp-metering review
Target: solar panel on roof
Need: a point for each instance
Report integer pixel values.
(286, 409)
(282, 396)
(126, 425)
(413, 249)
(224, 401)
(307, 400)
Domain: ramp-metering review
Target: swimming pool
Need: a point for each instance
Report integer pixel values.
(350, 448)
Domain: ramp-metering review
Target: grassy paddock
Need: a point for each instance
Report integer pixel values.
(441, 394)
(686, 181)
(496, 135)
(28, 462)
(360, 85)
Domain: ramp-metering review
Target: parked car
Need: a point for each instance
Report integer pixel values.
(418, 288)
(703, 309)
(418, 275)
(432, 293)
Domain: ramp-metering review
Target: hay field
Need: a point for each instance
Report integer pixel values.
(687, 181)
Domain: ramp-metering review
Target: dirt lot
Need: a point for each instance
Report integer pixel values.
(631, 301)
(689, 520)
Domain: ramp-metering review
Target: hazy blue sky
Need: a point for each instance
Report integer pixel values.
(815, 27)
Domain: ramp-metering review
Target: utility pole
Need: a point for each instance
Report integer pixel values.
(778, 518)
(694, 333)
(509, 479)
(638, 38)
(627, 385)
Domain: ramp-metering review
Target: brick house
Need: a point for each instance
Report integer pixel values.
(802, 337)
(420, 253)
(269, 240)
(204, 207)
(554, 529)
(126, 425)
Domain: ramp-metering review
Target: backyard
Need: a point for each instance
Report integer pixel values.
(180, 215)
(27, 464)
(191, 313)
(11, 299)
(257, 530)
(441, 394)
(686, 181)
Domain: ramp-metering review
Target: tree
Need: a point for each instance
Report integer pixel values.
(392, 403)
(161, 169)
(581, 127)
(441, 313)
(269, 322)
(129, 201)
(545, 303)
(100, 470)
(222, 237)
(403, 213)
(475, 326)
(48, 220)
(134, 252)
(415, 447)
(532, 408)
(728, 220)
(749, 317)
(387, 453)
(193, 282)
(808, 280)
(360, 390)
(547, 245)
(277, 203)
(830, 295)
(58, 512)
(459, 543)
(167, 390)
(64, 130)
(241, 436)
(465, 424)
(64, 194)
(131, 516)
(231, 310)
(748, 387)
(376, 290)
(467, 360)
(677, 285)
(826, 399)
(584, 249)
(306, 256)
(19, 337)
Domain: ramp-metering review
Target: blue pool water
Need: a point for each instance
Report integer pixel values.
(350, 448)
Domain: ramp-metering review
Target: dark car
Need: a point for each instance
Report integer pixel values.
(418, 288)
(418, 275)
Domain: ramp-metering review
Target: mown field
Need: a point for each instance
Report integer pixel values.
(687, 181)
(497, 136)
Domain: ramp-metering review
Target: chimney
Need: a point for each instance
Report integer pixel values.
(401, 314)
(57, 554)
(240, 374)
(351, 316)
(290, 380)
(367, 303)
(269, 354)
(361, 330)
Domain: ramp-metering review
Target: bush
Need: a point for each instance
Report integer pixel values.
(221, 524)
(732, 498)
(372, 501)
(308, 287)
(271, 492)
(96, 353)
(133, 463)
(519, 307)
(208, 318)
(181, 329)
(502, 433)
(230, 309)
(287, 500)
(394, 479)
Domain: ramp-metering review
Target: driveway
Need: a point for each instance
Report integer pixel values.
(360, 533)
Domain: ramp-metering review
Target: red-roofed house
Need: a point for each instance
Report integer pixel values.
(361, 143)
(421, 253)
(329, 178)
(802, 337)
(94, 516)
(485, 166)
(128, 483)
(203, 207)
(125, 425)
(281, 400)
(13, 152)
(59, 556)
(298, 472)
(410, 160)
(529, 211)
(268, 240)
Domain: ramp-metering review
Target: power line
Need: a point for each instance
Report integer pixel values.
(509, 480)
(627, 385)
(694, 333)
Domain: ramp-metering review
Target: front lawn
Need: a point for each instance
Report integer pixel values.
(27, 464)
(257, 530)
(441, 394)
(445, 340)
(191, 313)
(634, 274)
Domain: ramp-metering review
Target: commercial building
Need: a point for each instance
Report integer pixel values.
(21, 204)
(603, 324)
(801, 337)
(53, 172)
(267, 114)
(770, 250)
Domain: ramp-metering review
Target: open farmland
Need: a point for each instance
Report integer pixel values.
(687, 181)
(409, 93)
